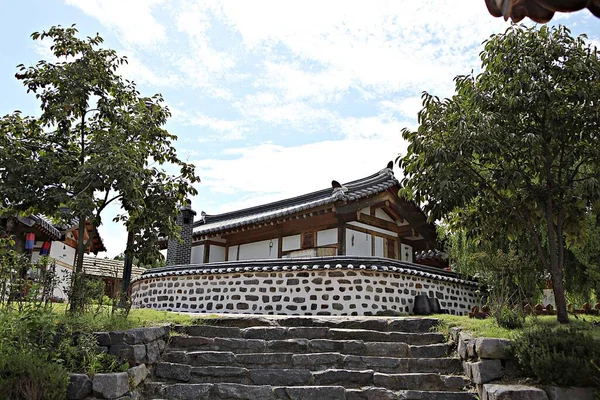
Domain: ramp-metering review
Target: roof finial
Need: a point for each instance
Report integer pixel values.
(338, 188)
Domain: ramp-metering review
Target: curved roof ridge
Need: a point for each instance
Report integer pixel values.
(322, 195)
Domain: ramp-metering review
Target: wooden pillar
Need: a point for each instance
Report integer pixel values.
(206, 255)
(279, 245)
(341, 250)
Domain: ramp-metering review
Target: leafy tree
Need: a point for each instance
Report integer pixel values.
(515, 150)
(97, 141)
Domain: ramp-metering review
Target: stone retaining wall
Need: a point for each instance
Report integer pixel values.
(328, 291)
(139, 347)
(487, 360)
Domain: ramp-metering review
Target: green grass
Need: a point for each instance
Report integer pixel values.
(100, 319)
(489, 328)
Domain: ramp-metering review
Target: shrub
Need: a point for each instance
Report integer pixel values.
(564, 357)
(510, 318)
(28, 376)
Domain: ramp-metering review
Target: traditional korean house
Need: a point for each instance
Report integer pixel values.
(38, 236)
(345, 250)
(365, 217)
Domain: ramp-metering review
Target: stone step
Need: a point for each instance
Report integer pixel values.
(374, 393)
(206, 332)
(360, 347)
(384, 324)
(233, 391)
(420, 381)
(311, 361)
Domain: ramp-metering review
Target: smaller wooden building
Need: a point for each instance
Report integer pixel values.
(55, 240)
(110, 272)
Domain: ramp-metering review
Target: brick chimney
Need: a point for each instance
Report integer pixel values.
(181, 252)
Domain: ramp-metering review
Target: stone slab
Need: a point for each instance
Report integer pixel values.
(512, 392)
(80, 386)
(110, 386)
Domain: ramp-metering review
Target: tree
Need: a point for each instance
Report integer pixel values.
(515, 150)
(97, 141)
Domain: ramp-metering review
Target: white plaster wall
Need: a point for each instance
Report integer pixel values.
(217, 253)
(197, 256)
(406, 249)
(361, 246)
(63, 276)
(326, 237)
(64, 259)
(379, 243)
(291, 243)
(232, 255)
(380, 214)
(60, 251)
(323, 292)
(259, 250)
(373, 228)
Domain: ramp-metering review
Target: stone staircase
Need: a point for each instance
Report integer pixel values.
(313, 358)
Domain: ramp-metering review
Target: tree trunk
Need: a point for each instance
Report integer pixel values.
(128, 262)
(556, 273)
(77, 290)
(556, 247)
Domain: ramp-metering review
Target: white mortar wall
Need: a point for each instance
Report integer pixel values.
(379, 243)
(361, 245)
(323, 292)
(232, 255)
(291, 243)
(406, 249)
(380, 214)
(326, 237)
(62, 252)
(63, 276)
(217, 253)
(197, 254)
(373, 228)
(259, 250)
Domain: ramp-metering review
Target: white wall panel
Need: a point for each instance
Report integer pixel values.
(259, 250)
(326, 237)
(291, 243)
(217, 253)
(406, 253)
(197, 254)
(379, 243)
(357, 243)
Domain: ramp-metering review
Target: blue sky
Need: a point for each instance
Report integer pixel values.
(271, 98)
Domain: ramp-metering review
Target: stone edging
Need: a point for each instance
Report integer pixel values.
(486, 360)
(140, 347)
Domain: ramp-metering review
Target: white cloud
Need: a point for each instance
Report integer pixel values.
(408, 107)
(226, 129)
(272, 172)
(137, 71)
(132, 19)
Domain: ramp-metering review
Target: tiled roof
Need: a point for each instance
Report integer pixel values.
(310, 264)
(108, 268)
(431, 254)
(42, 223)
(354, 190)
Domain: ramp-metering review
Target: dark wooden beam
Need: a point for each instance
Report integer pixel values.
(406, 231)
(353, 207)
(377, 222)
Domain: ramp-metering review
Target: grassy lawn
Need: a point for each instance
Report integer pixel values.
(100, 318)
(489, 328)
